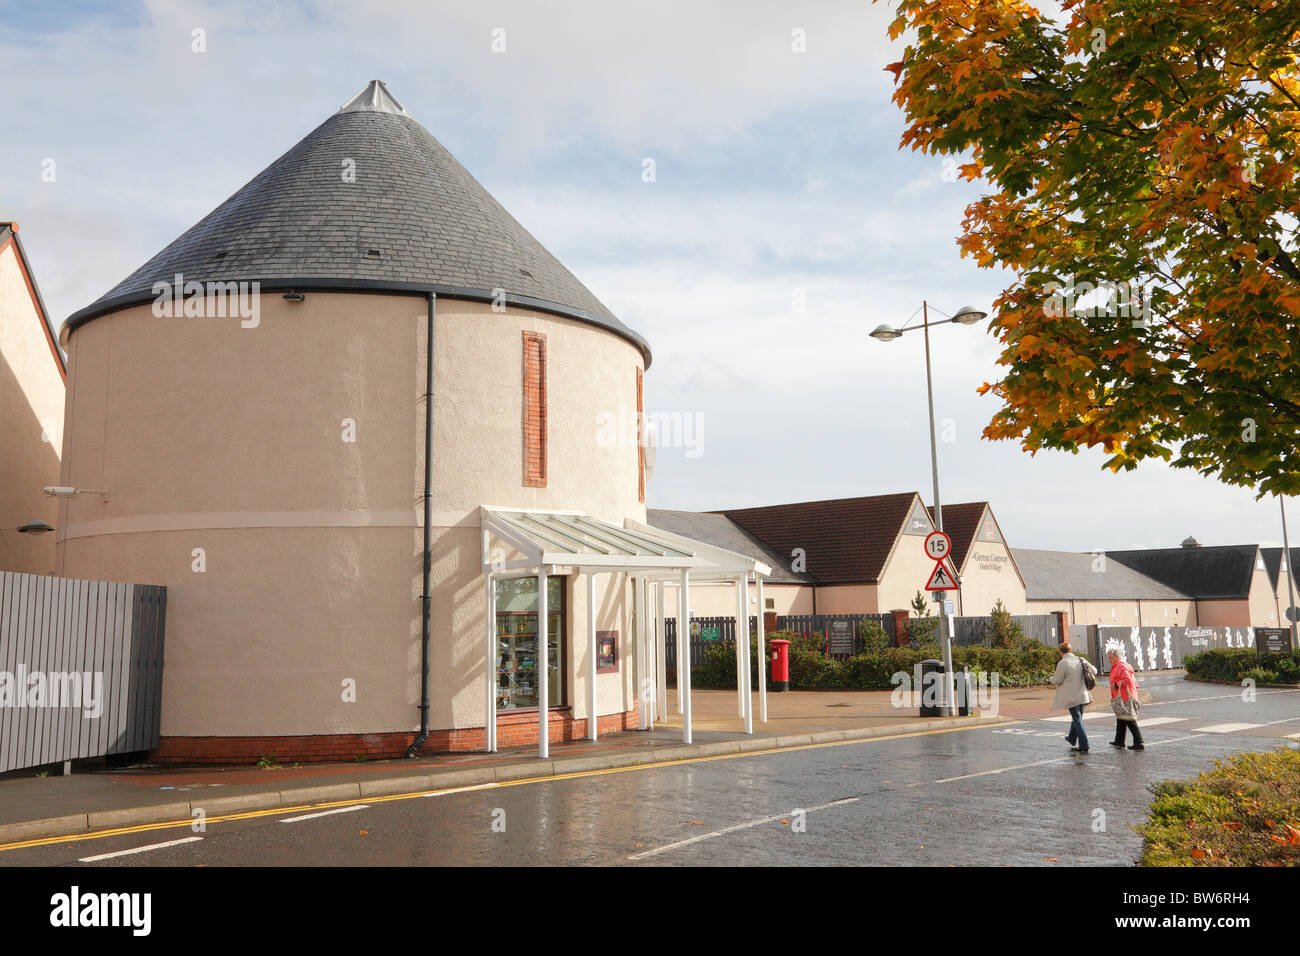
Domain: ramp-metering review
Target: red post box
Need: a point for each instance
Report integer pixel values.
(780, 664)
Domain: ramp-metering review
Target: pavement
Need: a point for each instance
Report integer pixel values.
(36, 807)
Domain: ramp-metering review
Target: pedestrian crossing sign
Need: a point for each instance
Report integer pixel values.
(941, 579)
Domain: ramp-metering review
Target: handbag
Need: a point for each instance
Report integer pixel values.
(1126, 709)
(1089, 674)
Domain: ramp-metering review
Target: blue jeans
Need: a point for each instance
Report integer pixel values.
(1077, 733)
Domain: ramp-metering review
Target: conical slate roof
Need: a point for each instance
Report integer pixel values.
(412, 220)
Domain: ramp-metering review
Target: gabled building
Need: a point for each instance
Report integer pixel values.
(32, 374)
(1286, 588)
(865, 555)
(786, 591)
(1230, 583)
(1093, 589)
(986, 567)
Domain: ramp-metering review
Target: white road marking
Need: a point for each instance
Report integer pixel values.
(1170, 740)
(138, 849)
(1040, 763)
(1065, 718)
(1188, 700)
(443, 793)
(738, 826)
(326, 813)
(1223, 728)
(1019, 766)
(1157, 721)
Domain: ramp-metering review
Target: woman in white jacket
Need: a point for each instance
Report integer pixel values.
(1072, 694)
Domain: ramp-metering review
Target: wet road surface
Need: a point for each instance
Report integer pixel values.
(1002, 795)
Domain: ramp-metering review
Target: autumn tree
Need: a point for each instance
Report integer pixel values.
(1140, 158)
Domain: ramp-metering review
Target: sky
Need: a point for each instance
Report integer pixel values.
(782, 223)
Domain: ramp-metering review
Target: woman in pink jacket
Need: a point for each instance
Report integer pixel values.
(1124, 686)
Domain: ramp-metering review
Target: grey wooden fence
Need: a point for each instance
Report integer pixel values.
(1161, 648)
(724, 627)
(80, 668)
(978, 630)
(838, 630)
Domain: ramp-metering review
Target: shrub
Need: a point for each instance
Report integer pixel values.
(1233, 664)
(922, 631)
(1260, 675)
(811, 669)
(871, 637)
(1244, 812)
(1004, 631)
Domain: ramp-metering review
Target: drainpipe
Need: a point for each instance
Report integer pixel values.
(419, 741)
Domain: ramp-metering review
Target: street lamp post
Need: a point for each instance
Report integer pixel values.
(1286, 552)
(966, 315)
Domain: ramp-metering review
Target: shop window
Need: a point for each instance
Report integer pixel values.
(517, 656)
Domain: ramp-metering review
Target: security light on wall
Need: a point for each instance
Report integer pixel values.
(35, 527)
(63, 491)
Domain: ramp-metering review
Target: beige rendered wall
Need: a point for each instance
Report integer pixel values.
(906, 571)
(1263, 600)
(721, 601)
(1153, 613)
(31, 410)
(230, 440)
(1285, 595)
(990, 575)
(850, 599)
(1224, 613)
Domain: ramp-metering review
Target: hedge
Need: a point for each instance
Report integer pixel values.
(1244, 812)
(1232, 665)
(811, 669)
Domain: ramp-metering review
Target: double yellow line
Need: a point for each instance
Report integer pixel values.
(282, 811)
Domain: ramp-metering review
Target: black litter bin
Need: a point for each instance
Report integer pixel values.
(931, 689)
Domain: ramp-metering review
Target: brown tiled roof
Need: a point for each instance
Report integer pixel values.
(961, 523)
(846, 540)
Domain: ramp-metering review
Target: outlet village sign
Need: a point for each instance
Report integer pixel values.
(991, 562)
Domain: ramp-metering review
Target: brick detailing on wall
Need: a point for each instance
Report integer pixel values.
(640, 436)
(1063, 626)
(513, 730)
(900, 627)
(534, 410)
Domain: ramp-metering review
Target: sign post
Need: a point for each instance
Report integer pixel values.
(938, 546)
(1272, 640)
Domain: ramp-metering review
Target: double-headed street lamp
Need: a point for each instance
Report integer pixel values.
(966, 315)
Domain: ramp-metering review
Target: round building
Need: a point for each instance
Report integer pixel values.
(253, 402)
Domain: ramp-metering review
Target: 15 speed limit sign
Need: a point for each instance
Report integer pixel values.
(937, 545)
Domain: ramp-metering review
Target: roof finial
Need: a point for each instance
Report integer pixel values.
(374, 98)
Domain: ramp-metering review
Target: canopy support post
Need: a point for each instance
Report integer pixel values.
(593, 711)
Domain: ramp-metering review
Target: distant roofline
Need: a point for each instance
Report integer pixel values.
(380, 287)
(818, 501)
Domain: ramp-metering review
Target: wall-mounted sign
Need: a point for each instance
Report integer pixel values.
(709, 632)
(606, 652)
(918, 522)
(988, 561)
